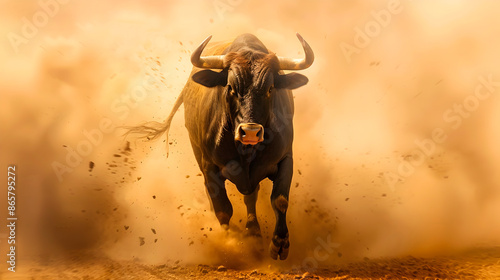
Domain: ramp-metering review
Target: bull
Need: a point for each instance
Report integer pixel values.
(238, 112)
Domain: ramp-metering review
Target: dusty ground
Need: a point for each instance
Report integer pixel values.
(474, 264)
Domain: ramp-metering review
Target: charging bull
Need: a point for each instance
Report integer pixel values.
(238, 112)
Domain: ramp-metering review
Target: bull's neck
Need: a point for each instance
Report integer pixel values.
(247, 154)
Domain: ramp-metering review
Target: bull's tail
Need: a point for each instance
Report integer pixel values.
(153, 130)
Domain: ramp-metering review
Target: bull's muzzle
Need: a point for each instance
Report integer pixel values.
(249, 133)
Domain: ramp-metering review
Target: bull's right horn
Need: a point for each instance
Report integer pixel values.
(208, 62)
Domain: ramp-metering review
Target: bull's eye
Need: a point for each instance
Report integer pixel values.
(230, 90)
(270, 91)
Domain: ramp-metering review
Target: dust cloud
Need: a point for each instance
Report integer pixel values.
(396, 138)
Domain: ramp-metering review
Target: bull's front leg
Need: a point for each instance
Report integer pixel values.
(279, 200)
(214, 182)
(252, 226)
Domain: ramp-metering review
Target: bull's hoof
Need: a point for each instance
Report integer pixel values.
(253, 232)
(279, 247)
(252, 226)
(223, 217)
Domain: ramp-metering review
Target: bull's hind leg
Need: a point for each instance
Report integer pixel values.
(216, 189)
(252, 226)
(279, 200)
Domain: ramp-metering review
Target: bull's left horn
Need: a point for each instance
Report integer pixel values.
(210, 62)
(298, 64)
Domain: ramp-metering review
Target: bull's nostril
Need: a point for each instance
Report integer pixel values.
(242, 131)
(259, 134)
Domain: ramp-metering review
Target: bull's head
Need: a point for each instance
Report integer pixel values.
(251, 79)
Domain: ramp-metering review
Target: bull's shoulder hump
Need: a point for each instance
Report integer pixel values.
(216, 48)
(248, 41)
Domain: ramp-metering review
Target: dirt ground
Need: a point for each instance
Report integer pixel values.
(481, 263)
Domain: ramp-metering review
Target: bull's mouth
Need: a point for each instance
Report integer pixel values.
(253, 143)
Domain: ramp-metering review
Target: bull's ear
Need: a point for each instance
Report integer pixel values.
(210, 78)
(290, 81)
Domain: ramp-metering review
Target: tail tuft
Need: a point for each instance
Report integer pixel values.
(153, 130)
(148, 130)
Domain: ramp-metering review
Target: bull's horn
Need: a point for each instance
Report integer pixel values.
(210, 62)
(298, 64)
